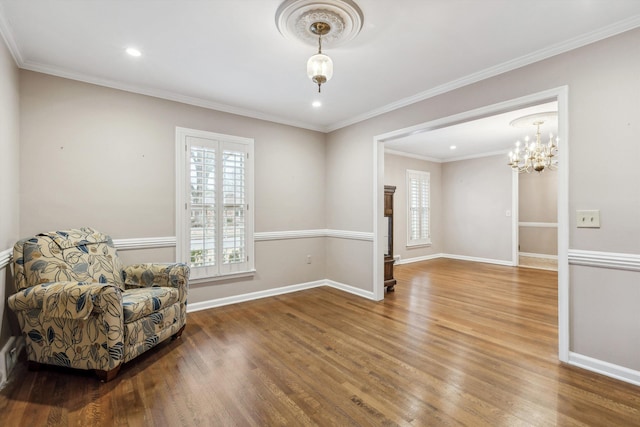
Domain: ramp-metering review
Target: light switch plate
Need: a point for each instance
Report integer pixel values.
(588, 219)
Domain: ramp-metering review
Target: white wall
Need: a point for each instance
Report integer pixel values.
(395, 173)
(97, 156)
(9, 184)
(604, 120)
(477, 194)
(538, 203)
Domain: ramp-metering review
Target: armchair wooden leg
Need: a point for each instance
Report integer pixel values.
(106, 376)
(178, 334)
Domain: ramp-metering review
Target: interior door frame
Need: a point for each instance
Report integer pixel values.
(559, 94)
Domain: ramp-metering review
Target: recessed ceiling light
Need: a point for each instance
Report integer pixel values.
(133, 51)
(453, 147)
(316, 104)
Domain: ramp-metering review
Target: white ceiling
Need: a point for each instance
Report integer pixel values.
(228, 54)
(475, 138)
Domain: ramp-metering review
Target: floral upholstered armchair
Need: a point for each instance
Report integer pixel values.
(78, 307)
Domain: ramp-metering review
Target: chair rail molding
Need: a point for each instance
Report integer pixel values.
(617, 261)
(144, 243)
(259, 236)
(305, 234)
(539, 224)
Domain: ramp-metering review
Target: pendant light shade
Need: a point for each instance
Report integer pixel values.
(320, 68)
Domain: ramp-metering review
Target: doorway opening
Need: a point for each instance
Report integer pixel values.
(557, 95)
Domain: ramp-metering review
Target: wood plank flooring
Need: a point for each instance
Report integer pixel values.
(457, 343)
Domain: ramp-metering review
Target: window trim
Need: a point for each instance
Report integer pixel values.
(412, 243)
(183, 217)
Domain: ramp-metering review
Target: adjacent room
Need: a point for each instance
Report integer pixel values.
(319, 212)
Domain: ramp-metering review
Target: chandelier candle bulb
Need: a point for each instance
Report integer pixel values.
(536, 156)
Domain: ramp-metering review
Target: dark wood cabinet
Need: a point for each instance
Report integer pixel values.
(389, 281)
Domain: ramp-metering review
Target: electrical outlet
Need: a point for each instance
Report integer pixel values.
(308, 259)
(588, 219)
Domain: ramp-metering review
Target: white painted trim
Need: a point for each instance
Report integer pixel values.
(609, 31)
(538, 224)
(5, 257)
(617, 261)
(574, 43)
(515, 215)
(289, 234)
(306, 234)
(378, 219)
(412, 155)
(605, 368)
(219, 302)
(417, 259)
(561, 94)
(7, 35)
(478, 259)
(476, 156)
(144, 243)
(541, 256)
(351, 289)
(351, 235)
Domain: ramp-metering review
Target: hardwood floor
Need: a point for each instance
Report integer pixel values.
(457, 343)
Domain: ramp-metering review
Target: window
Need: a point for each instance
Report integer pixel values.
(214, 212)
(418, 208)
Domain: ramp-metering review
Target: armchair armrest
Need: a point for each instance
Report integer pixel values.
(175, 275)
(66, 300)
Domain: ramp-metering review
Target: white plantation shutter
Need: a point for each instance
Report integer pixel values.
(215, 232)
(418, 232)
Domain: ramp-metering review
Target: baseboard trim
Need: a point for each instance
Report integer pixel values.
(605, 368)
(219, 302)
(617, 261)
(476, 259)
(541, 256)
(350, 289)
(401, 261)
(5, 257)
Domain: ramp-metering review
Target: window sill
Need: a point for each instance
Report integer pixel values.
(419, 245)
(209, 279)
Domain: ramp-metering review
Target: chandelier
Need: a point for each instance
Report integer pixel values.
(534, 155)
(328, 22)
(320, 66)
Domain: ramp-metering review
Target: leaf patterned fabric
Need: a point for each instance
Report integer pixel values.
(76, 309)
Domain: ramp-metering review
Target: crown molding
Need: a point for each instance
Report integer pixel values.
(7, 36)
(167, 95)
(448, 160)
(412, 155)
(539, 55)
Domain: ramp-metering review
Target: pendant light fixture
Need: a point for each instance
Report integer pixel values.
(534, 155)
(320, 66)
(323, 22)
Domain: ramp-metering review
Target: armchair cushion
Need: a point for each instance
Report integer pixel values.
(139, 303)
(80, 255)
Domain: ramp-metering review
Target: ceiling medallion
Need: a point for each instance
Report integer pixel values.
(331, 22)
(294, 19)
